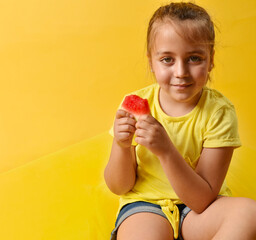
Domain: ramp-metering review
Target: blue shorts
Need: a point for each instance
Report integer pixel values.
(140, 206)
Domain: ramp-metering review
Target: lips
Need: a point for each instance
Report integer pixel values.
(185, 85)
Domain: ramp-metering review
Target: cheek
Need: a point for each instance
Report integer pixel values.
(162, 77)
(161, 74)
(200, 73)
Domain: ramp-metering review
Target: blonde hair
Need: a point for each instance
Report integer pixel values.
(191, 21)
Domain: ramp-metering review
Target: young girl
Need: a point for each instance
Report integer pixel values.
(172, 182)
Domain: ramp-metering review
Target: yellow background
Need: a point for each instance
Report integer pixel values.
(64, 68)
(65, 65)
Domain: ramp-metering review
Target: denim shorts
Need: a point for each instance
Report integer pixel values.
(140, 206)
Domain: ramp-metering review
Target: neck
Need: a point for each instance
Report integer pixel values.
(174, 108)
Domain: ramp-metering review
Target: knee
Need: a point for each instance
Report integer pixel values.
(246, 205)
(249, 217)
(240, 212)
(244, 209)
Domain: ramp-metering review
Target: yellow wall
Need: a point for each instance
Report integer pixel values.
(65, 65)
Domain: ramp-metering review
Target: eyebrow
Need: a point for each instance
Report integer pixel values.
(198, 51)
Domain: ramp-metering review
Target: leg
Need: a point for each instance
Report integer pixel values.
(227, 218)
(145, 225)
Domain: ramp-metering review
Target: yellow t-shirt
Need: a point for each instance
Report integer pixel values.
(212, 123)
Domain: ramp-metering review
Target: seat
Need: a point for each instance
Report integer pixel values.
(62, 196)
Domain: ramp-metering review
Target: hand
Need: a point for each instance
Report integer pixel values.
(151, 134)
(124, 128)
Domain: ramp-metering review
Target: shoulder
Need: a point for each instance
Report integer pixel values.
(221, 129)
(217, 109)
(215, 101)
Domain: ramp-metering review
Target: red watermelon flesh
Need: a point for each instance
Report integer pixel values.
(136, 105)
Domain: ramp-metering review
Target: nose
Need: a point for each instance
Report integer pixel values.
(180, 69)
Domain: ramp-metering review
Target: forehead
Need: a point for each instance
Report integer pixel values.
(170, 37)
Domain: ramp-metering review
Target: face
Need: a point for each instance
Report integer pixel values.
(181, 68)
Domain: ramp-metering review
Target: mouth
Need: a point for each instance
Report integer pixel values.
(182, 86)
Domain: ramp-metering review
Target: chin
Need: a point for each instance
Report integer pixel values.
(185, 98)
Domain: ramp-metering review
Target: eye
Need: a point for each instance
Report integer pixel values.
(195, 59)
(167, 60)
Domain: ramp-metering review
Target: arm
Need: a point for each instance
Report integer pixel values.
(120, 172)
(197, 189)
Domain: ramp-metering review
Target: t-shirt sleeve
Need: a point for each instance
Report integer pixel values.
(222, 129)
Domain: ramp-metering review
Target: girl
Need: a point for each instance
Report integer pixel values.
(172, 183)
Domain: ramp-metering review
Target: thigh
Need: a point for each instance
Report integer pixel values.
(145, 225)
(225, 212)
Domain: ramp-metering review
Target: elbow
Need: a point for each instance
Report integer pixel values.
(203, 205)
(118, 191)
(199, 209)
(118, 187)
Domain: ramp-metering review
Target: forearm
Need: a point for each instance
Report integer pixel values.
(120, 172)
(190, 187)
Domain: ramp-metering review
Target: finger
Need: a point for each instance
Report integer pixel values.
(124, 135)
(143, 124)
(126, 121)
(147, 118)
(122, 113)
(140, 140)
(126, 128)
(142, 133)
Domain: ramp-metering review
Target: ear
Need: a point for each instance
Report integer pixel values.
(211, 65)
(150, 62)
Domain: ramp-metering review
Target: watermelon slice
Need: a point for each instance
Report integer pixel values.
(136, 105)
